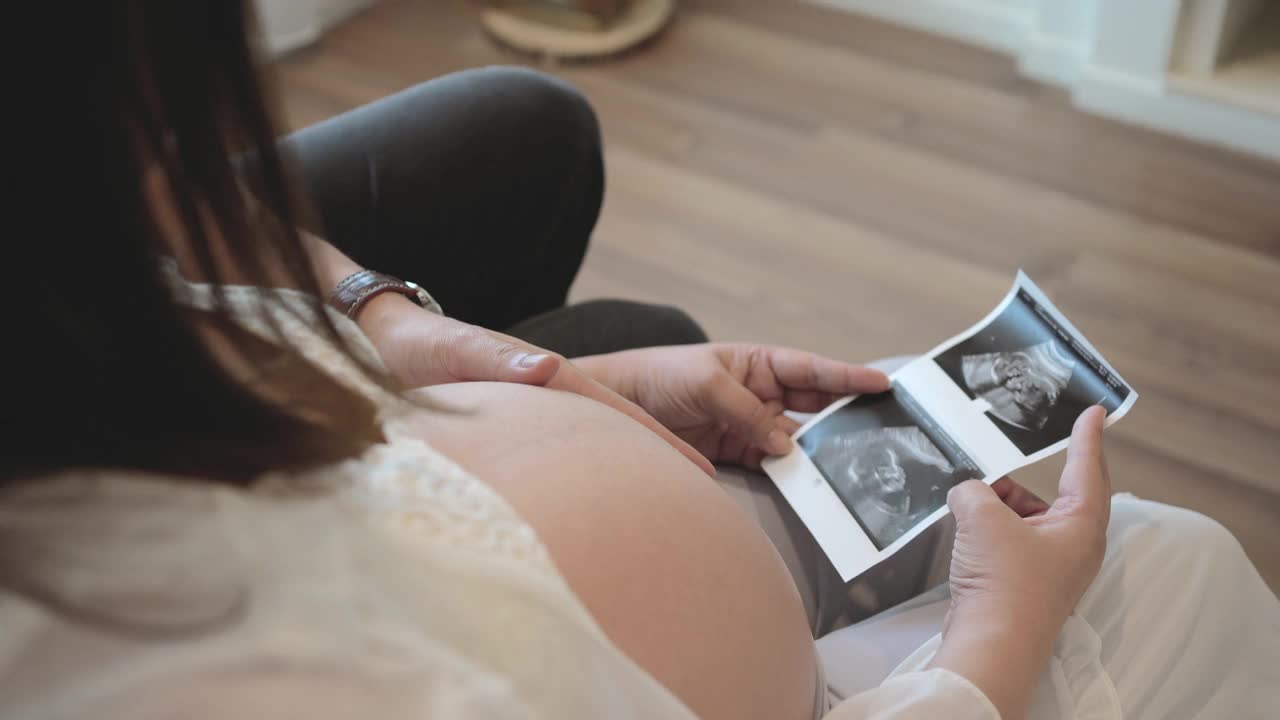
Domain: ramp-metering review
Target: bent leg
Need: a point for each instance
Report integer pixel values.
(597, 327)
(1187, 627)
(482, 186)
(1177, 624)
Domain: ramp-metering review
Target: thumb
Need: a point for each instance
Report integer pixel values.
(528, 367)
(972, 500)
(479, 355)
(1084, 478)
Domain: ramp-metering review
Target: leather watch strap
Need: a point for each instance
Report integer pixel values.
(359, 288)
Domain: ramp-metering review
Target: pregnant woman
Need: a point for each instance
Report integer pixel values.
(218, 501)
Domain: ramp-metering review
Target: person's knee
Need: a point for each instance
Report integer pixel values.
(679, 326)
(663, 324)
(633, 324)
(1174, 602)
(545, 103)
(1169, 534)
(551, 136)
(1160, 560)
(541, 124)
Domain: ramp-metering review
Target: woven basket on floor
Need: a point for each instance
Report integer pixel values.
(555, 31)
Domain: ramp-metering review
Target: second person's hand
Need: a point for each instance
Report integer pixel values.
(727, 399)
(1019, 568)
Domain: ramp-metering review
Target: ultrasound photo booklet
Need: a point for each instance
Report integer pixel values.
(869, 473)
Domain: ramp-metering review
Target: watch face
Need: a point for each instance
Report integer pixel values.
(424, 298)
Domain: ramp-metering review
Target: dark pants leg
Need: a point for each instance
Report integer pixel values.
(484, 187)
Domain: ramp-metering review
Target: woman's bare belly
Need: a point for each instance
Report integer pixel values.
(677, 576)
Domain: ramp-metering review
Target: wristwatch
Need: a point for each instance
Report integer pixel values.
(359, 288)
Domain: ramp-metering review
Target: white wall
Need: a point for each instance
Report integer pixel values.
(1059, 40)
(998, 24)
(1068, 19)
(1134, 39)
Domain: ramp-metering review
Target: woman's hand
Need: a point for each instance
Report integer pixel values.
(726, 399)
(420, 348)
(1019, 567)
(1027, 560)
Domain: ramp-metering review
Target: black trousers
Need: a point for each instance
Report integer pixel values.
(484, 187)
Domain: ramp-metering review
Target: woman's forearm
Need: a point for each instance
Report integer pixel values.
(1000, 654)
(331, 265)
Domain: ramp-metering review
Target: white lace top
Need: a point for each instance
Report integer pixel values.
(392, 586)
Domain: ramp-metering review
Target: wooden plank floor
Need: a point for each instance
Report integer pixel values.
(797, 175)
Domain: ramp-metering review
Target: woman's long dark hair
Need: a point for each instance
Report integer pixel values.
(103, 369)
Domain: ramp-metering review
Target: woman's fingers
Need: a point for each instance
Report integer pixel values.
(745, 414)
(570, 379)
(736, 448)
(808, 401)
(972, 500)
(786, 424)
(495, 357)
(1018, 498)
(799, 370)
(478, 354)
(752, 458)
(1085, 486)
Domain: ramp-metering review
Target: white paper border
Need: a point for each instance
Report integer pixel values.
(833, 525)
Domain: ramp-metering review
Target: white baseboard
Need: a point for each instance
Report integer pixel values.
(1121, 97)
(998, 27)
(1010, 26)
